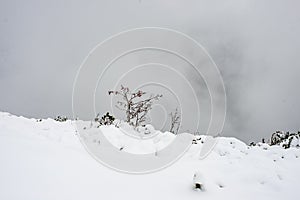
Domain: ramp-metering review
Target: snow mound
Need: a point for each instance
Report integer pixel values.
(143, 140)
(44, 159)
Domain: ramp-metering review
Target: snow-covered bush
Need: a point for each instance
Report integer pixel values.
(135, 106)
(106, 119)
(147, 129)
(285, 139)
(197, 139)
(61, 118)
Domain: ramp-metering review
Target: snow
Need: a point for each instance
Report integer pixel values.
(144, 141)
(45, 160)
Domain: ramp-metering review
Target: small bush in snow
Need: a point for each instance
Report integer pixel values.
(61, 118)
(285, 139)
(135, 106)
(106, 119)
(252, 144)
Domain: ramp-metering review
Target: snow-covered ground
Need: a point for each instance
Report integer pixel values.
(45, 160)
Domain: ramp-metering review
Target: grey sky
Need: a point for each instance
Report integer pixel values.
(254, 43)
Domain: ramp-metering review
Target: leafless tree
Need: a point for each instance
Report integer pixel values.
(135, 106)
(175, 122)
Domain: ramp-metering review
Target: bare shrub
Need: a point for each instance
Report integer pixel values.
(175, 122)
(135, 105)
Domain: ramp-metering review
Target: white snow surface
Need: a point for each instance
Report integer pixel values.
(45, 160)
(145, 140)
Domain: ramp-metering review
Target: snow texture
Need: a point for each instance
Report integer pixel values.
(44, 159)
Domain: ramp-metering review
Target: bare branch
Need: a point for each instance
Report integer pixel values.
(175, 122)
(136, 110)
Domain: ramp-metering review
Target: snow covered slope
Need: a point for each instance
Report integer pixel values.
(45, 160)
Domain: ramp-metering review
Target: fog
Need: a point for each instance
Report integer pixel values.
(254, 43)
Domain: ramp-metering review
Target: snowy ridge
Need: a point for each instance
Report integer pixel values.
(45, 160)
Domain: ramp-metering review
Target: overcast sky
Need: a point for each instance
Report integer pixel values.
(255, 44)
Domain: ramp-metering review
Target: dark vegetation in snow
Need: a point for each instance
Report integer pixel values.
(283, 139)
(61, 118)
(106, 119)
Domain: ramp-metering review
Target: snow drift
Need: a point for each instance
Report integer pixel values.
(45, 160)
